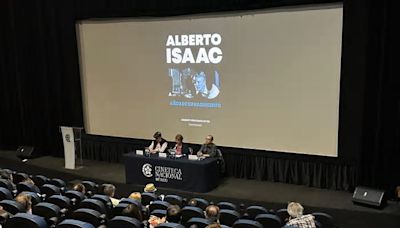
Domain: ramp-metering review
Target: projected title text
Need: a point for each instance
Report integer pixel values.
(179, 48)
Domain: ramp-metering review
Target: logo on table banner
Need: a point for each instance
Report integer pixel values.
(147, 170)
(68, 138)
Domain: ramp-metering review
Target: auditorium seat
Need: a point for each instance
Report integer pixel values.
(72, 223)
(189, 212)
(19, 177)
(227, 205)
(49, 190)
(283, 215)
(159, 213)
(6, 184)
(148, 197)
(104, 199)
(228, 217)
(49, 211)
(246, 223)
(88, 215)
(40, 180)
(201, 203)
(25, 220)
(57, 182)
(124, 222)
(324, 219)
(253, 211)
(27, 187)
(5, 194)
(170, 225)
(12, 206)
(174, 200)
(269, 220)
(91, 188)
(60, 201)
(158, 204)
(130, 201)
(75, 196)
(35, 198)
(117, 210)
(199, 222)
(94, 204)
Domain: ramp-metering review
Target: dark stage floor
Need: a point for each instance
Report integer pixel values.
(268, 194)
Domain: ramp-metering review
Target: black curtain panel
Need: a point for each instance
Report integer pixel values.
(40, 88)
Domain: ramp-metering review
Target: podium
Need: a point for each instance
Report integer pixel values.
(72, 141)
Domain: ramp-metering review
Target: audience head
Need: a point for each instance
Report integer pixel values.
(174, 214)
(136, 196)
(133, 211)
(193, 226)
(212, 213)
(192, 202)
(109, 190)
(26, 201)
(209, 139)
(150, 188)
(155, 221)
(28, 181)
(178, 139)
(295, 209)
(4, 174)
(214, 225)
(79, 187)
(3, 216)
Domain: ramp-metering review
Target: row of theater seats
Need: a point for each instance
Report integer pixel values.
(53, 205)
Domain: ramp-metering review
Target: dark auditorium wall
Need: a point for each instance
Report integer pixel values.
(40, 86)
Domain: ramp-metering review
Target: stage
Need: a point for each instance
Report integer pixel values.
(272, 195)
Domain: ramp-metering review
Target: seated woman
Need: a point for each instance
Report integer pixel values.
(26, 201)
(158, 144)
(180, 147)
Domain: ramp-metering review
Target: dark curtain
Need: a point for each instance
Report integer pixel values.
(40, 84)
(40, 87)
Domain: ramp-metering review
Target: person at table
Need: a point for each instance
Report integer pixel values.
(208, 149)
(180, 147)
(158, 144)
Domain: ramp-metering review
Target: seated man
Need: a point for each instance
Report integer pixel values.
(159, 144)
(297, 219)
(212, 213)
(208, 149)
(109, 190)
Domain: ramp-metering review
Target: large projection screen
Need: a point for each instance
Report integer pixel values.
(264, 80)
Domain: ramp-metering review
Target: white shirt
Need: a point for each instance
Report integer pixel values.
(158, 147)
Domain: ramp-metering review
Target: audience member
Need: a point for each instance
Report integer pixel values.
(173, 214)
(3, 216)
(154, 221)
(136, 196)
(133, 211)
(151, 188)
(214, 225)
(193, 203)
(32, 183)
(26, 201)
(212, 213)
(297, 219)
(109, 190)
(80, 188)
